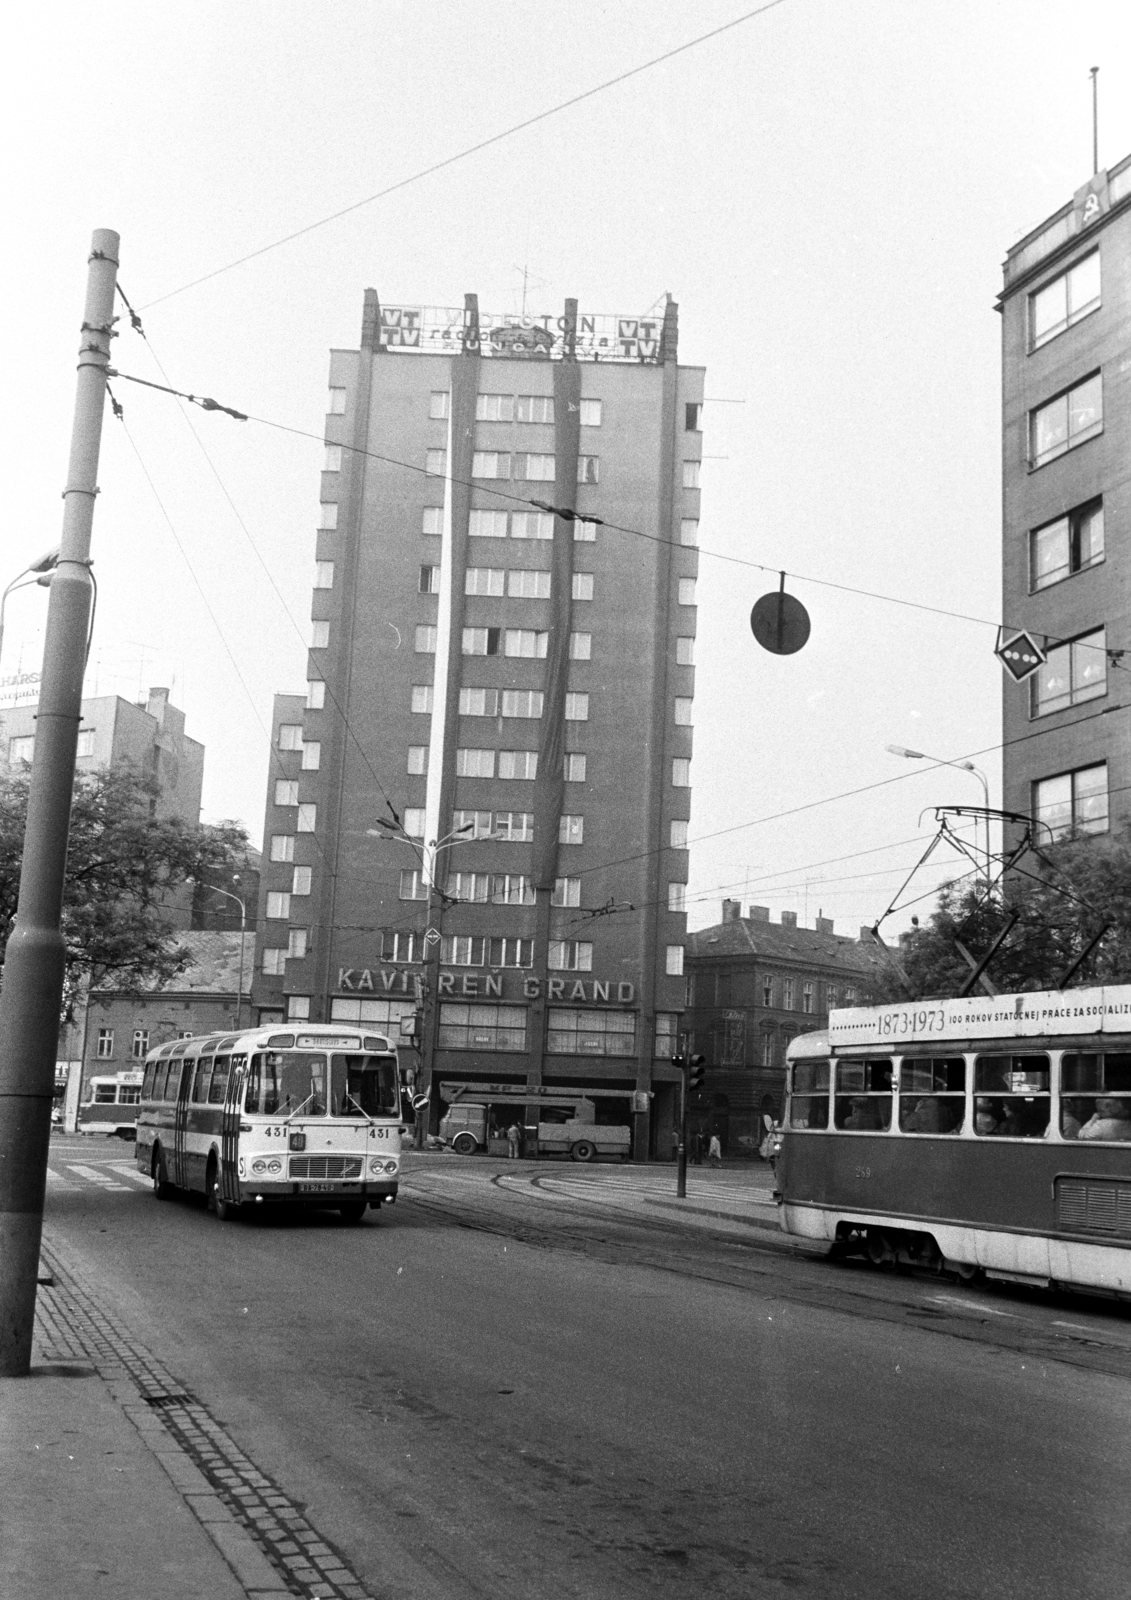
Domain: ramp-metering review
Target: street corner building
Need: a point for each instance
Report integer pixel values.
(476, 826)
(1066, 393)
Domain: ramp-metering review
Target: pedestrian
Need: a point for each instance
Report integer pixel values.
(715, 1151)
(675, 1144)
(697, 1148)
(513, 1136)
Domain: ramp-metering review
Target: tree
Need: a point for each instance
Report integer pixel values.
(125, 866)
(1062, 898)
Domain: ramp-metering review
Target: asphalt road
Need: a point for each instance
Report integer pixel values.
(526, 1382)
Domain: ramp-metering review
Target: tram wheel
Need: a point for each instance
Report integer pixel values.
(881, 1250)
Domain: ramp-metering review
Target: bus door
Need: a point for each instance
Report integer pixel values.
(179, 1174)
(230, 1130)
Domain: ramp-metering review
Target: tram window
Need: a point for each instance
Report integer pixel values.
(105, 1094)
(932, 1094)
(1012, 1096)
(1096, 1096)
(863, 1095)
(218, 1087)
(129, 1094)
(809, 1101)
(200, 1081)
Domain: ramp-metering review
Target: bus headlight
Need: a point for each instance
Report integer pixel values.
(390, 1166)
(259, 1167)
(275, 1166)
(376, 1165)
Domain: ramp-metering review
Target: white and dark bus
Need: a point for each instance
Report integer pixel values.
(306, 1116)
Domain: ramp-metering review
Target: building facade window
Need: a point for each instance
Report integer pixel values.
(681, 773)
(290, 736)
(475, 763)
(494, 408)
(677, 897)
(484, 580)
(588, 469)
(571, 830)
(414, 821)
(490, 464)
(572, 1031)
(105, 1043)
(1072, 673)
(416, 762)
(432, 521)
(472, 824)
(1072, 802)
(422, 697)
(527, 642)
(522, 703)
(1066, 421)
(1057, 305)
(84, 744)
(323, 574)
(336, 406)
(575, 765)
(384, 1014)
(808, 997)
(570, 955)
(328, 516)
(401, 946)
(425, 639)
(1070, 544)
(685, 651)
(473, 888)
(673, 960)
(693, 416)
(689, 531)
(296, 944)
(591, 413)
(528, 583)
(511, 889)
(767, 991)
(532, 525)
(316, 695)
(487, 525)
(278, 905)
(532, 467)
(413, 886)
(311, 755)
(584, 532)
(480, 641)
(23, 749)
(307, 817)
(429, 582)
(514, 827)
(479, 702)
(275, 962)
(535, 408)
(787, 988)
(319, 635)
(286, 791)
(475, 1027)
(583, 586)
(435, 463)
(519, 764)
(282, 847)
(687, 591)
(510, 952)
(462, 950)
(667, 1035)
(567, 892)
(691, 474)
(438, 405)
(576, 707)
(677, 836)
(298, 1008)
(140, 1044)
(580, 646)
(682, 708)
(301, 881)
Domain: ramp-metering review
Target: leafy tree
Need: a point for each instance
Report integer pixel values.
(129, 876)
(1062, 899)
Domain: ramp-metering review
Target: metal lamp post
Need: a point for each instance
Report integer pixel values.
(40, 572)
(959, 766)
(228, 895)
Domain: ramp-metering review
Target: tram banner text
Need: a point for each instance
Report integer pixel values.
(1003, 1016)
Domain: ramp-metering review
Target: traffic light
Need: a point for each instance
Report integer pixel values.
(696, 1071)
(678, 1063)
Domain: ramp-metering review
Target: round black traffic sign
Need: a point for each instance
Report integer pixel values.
(779, 623)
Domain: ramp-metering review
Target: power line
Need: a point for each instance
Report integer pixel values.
(469, 151)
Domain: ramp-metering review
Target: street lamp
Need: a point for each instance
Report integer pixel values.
(40, 572)
(960, 766)
(228, 895)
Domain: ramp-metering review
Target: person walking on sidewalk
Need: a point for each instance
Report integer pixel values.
(513, 1136)
(715, 1151)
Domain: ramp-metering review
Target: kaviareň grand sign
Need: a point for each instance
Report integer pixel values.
(444, 330)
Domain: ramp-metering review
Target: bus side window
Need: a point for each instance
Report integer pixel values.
(809, 1102)
(173, 1081)
(147, 1084)
(200, 1082)
(160, 1075)
(218, 1088)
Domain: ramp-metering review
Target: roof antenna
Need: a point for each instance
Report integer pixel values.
(1095, 72)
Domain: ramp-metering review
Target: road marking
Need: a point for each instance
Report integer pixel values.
(58, 1179)
(1077, 1326)
(124, 1170)
(99, 1178)
(975, 1306)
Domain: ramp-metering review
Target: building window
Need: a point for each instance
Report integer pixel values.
(435, 463)
(470, 887)
(567, 892)
(414, 821)
(768, 1049)
(475, 763)
(479, 702)
(510, 952)
(1065, 300)
(525, 642)
(311, 755)
(286, 792)
(514, 827)
(591, 413)
(484, 580)
(487, 525)
(678, 836)
(422, 697)
(275, 962)
(787, 994)
(458, 950)
(328, 516)
(105, 1043)
(681, 773)
(475, 1027)
(572, 1031)
(417, 761)
(323, 574)
(429, 582)
(570, 955)
(522, 703)
(575, 769)
(832, 996)
(300, 884)
(528, 583)
(850, 994)
(571, 830)
(534, 468)
(401, 947)
(413, 886)
(298, 1008)
(296, 944)
(535, 408)
(689, 531)
(583, 586)
(490, 464)
(307, 817)
(577, 708)
(584, 532)
(337, 403)
(667, 1033)
(687, 591)
(691, 474)
(425, 640)
(1067, 545)
(140, 1044)
(290, 736)
(511, 889)
(580, 646)
(1072, 673)
(673, 960)
(681, 711)
(319, 635)
(693, 416)
(808, 997)
(385, 1014)
(767, 991)
(677, 897)
(480, 641)
(278, 906)
(23, 749)
(438, 405)
(685, 652)
(1063, 423)
(588, 469)
(532, 525)
(495, 408)
(282, 847)
(522, 764)
(432, 521)
(472, 824)
(315, 695)
(84, 745)
(1073, 802)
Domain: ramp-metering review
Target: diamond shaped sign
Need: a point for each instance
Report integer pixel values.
(1020, 655)
(432, 936)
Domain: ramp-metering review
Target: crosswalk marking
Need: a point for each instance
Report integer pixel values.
(93, 1176)
(125, 1170)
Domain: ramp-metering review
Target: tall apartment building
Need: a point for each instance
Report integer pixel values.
(504, 675)
(1066, 382)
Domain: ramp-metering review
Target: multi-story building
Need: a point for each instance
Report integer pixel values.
(753, 985)
(487, 816)
(1066, 382)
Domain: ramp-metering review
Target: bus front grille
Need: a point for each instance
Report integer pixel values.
(326, 1166)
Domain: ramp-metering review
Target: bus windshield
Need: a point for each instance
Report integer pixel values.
(286, 1082)
(363, 1085)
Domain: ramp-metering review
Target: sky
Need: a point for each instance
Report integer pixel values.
(827, 189)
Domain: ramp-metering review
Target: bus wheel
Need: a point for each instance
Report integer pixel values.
(222, 1209)
(583, 1150)
(162, 1188)
(353, 1210)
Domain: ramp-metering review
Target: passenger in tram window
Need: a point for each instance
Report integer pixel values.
(868, 1114)
(932, 1114)
(1110, 1120)
(988, 1117)
(1024, 1119)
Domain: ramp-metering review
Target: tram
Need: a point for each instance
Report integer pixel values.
(985, 1135)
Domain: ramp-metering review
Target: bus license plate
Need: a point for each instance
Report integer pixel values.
(318, 1188)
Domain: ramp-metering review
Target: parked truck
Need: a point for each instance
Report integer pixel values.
(478, 1117)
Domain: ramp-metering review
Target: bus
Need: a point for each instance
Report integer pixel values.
(307, 1117)
(985, 1136)
(109, 1104)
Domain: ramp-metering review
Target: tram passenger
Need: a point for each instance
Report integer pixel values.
(864, 1114)
(932, 1115)
(1111, 1120)
(988, 1117)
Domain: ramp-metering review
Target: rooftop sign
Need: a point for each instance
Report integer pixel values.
(19, 689)
(445, 330)
(1003, 1016)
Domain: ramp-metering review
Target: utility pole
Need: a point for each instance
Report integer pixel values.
(32, 990)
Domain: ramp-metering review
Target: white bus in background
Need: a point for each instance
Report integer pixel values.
(307, 1116)
(109, 1104)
